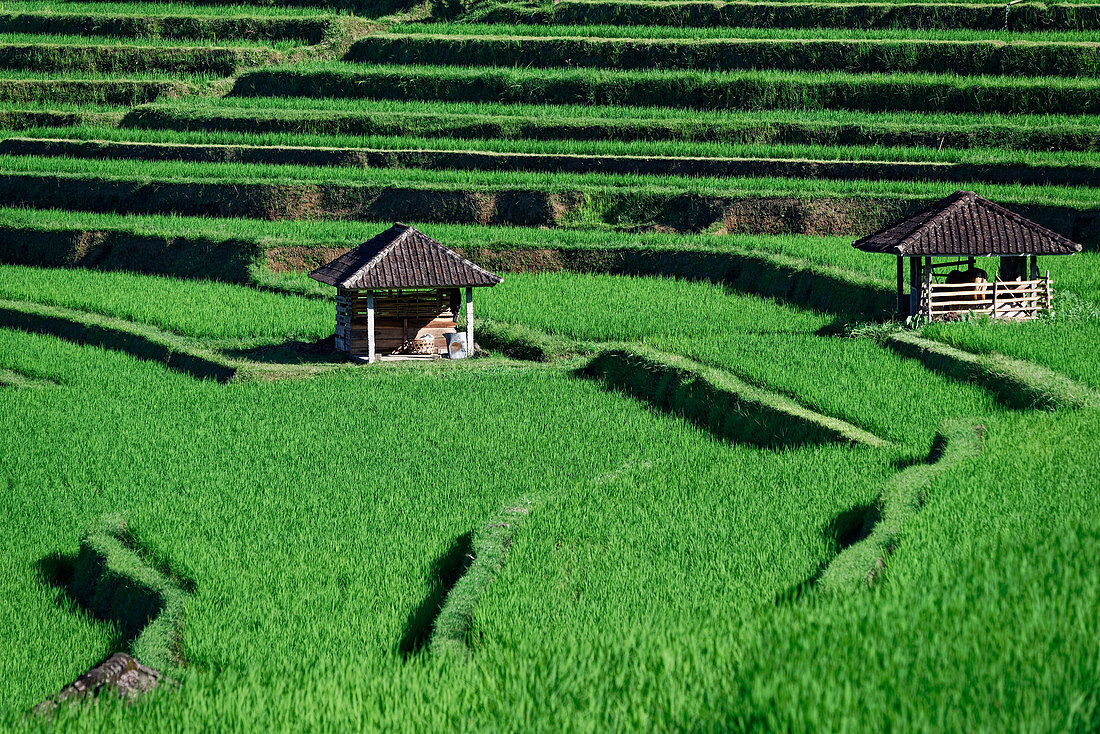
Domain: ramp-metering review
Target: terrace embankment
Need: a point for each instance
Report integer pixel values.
(179, 27)
(96, 91)
(694, 13)
(663, 208)
(472, 160)
(832, 290)
(1015, 383)
(876, 530)
(182, 257)
(718, 402)
(137, 340)
(111, 579)
(108, 59)
(745, 90)
(521, 123)
(965, 57)
(453, 629)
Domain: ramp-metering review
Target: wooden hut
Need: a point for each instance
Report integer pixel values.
(942, 243)
(400, 293)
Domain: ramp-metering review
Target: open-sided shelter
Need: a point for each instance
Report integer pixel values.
(939, 240)
(397, 290)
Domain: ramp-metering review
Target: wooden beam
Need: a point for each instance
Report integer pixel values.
(901, 287)
(914, 286)
(469, 321)
(370, 328)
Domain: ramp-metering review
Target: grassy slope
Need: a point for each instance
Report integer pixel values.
(764, 342)
(244, 489)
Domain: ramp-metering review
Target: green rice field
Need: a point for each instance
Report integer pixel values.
(698, 475)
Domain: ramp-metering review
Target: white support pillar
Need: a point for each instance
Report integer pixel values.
(370, 328)
(470, 320)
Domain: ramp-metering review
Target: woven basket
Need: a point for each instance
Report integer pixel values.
(422, 345)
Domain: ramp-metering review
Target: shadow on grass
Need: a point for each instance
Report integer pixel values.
(293, 352)
(123, 604)
(445, 573)
(738, 272)
(843, 531)
(116, 340)
(738, 414)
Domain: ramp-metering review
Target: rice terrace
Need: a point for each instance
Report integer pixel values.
(550, 365)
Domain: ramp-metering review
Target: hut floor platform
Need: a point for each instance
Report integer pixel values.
(396, 357)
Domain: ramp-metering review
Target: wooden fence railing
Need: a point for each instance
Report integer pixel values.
(1018, 299)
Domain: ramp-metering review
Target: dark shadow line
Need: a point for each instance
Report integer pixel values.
(445, 572)
(844, 530)
(113, 599)
(723, 414)
(115, 340)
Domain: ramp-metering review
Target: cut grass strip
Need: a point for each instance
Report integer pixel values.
(453, 632)
(916, 55)
(11, 378)
(486, 121)
(113, 580)
(196, 358)
(137, 340)
(747, 90)
(1066, 342)
(864, 563)
(719, 402)
(769, 15)
(1015, 383)
(475, 160)
(517, 341)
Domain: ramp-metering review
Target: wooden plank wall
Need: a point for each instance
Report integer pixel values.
(399, 317)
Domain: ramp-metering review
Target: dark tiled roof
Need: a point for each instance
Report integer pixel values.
(966, 224)
(402, 257)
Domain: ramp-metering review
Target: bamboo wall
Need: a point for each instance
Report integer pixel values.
(399, 317)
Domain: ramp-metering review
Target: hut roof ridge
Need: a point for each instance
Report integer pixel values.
(402, 257)
(966, 224)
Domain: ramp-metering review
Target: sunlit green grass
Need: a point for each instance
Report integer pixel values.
(190, 308)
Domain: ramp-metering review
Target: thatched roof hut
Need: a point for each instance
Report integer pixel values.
(964, 227)
(400, 292)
